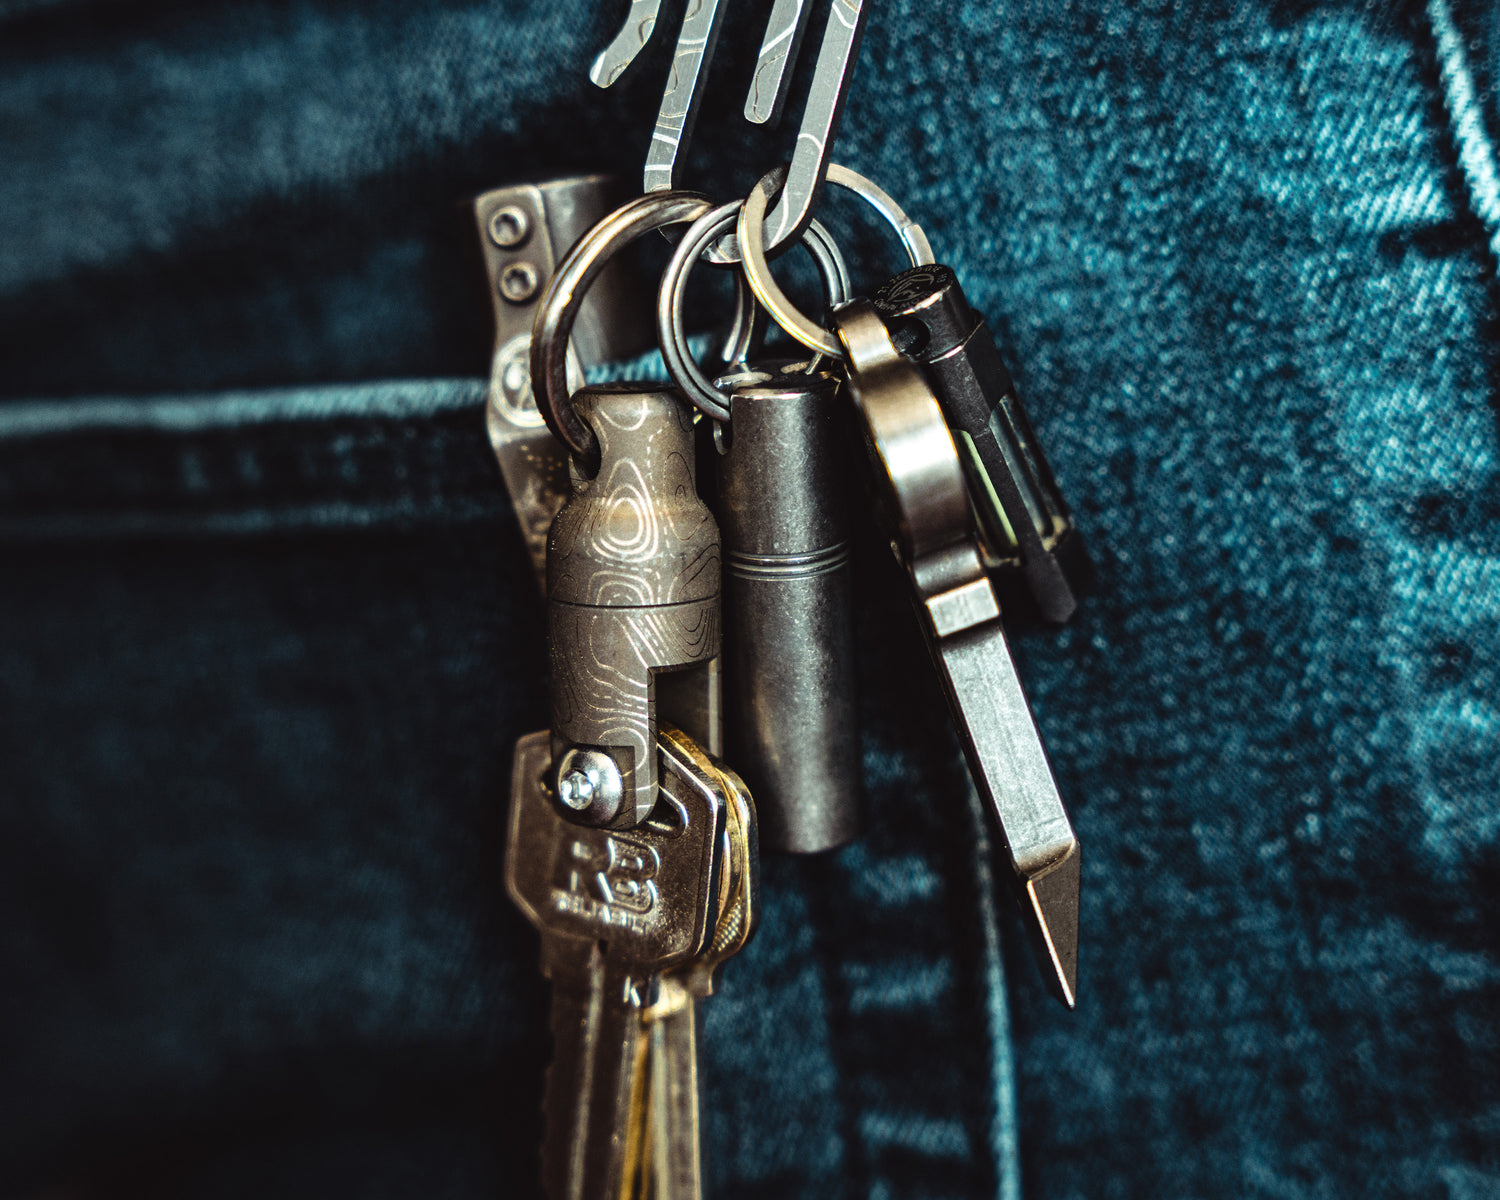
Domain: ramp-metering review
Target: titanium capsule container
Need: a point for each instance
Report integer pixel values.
(791, 727)
(633, 606)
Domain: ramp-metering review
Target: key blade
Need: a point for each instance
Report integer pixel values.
(591, 1101)
(1010, 768)
(594, 1090)
(673, 1139)
(1053, 896)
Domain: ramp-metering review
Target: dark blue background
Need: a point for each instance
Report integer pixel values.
(268, 632)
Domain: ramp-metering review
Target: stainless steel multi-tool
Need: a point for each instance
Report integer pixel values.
(701, 649)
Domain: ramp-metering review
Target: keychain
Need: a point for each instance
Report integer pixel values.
(702, 665)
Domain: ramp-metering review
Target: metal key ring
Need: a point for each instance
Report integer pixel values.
(751, 237)
(686, 373)
(563, 298)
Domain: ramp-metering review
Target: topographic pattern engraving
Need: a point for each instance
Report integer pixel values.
(633, 569)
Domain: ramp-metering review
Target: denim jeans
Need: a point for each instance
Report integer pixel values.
(270, 632)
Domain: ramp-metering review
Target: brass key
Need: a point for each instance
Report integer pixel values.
(670, 1133)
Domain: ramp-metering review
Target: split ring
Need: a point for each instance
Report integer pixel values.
(751, 237)
(560, 304)
(686, 373)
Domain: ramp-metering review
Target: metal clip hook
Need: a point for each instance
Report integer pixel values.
(765, 101)
(820, 119)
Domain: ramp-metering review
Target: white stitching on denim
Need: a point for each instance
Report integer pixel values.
(231, 409)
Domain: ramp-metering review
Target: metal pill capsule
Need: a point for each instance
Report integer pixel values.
(791, 726)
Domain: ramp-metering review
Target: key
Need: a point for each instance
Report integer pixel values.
(524, 231)
(921, 482)
(671, 1134)
(614, 910)
(671, 1142)
(633, 605)
(1026, 529)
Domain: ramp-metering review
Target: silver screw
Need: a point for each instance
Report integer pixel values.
(576, 789)
(518, 282)
(509, 227)
(589, 782)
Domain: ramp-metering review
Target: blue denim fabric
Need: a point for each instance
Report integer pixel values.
(270, 632)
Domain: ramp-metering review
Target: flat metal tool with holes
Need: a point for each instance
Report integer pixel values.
(524, 232)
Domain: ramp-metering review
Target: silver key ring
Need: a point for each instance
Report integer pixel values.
(686, 373)
(751, 237)
(563, 298)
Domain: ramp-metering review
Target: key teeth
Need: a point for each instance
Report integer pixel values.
(730, 930)
(1053, 896)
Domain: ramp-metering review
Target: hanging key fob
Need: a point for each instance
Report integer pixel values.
(633, 606)
(1032, 549)
(615, 909)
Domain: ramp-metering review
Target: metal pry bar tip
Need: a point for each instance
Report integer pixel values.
(1053, 896)
(1014, 779)
(626, 46)
(778, 51)
(683, 94)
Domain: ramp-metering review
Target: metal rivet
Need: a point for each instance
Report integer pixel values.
(510, 227)
(515, 379)
(518, 282)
